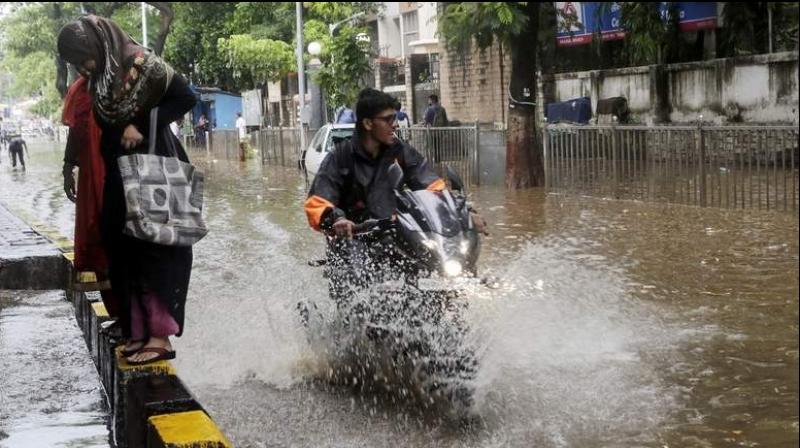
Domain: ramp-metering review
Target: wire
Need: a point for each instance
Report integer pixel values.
(515, 101)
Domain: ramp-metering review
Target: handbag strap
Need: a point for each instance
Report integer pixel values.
(151, 149)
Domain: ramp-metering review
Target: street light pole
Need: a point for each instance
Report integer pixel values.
(333, 27)
(301, 72)
(144, 24)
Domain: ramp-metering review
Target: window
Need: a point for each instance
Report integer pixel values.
(316, 142)
(410, 29)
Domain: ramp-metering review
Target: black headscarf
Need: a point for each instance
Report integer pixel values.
(128, 79)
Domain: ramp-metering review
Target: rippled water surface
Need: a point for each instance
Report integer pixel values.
(616, 323)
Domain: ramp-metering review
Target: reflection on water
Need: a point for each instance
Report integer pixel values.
(617, 323)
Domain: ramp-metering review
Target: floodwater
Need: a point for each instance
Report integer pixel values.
(616, 323)
(50, 395)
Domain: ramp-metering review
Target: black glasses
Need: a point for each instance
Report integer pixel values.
(388, 119)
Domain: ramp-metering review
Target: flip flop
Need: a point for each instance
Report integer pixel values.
(131, 352)
(163, 355)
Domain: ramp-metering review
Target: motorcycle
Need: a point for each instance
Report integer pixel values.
(393, 289)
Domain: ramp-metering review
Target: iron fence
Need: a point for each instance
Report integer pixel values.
(753, 167)
(456, 147)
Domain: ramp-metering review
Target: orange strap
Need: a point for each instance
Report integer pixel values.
(315, 207)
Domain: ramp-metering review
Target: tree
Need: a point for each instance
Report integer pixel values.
(29, 34)
(345, 57)
(344, 65)
(746, 27)
(649, 37)
(254, 60)
(516, 26)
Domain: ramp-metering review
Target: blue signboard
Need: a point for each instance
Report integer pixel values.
(579, 22)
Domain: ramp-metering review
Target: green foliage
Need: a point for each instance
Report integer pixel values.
(257, 59)
(28, 38)
(129, 18)
(264, 20)
(32, 27)
(484, 22)
(649, 37)
(316, 30)
(332, 12)
(33, 75)
(231, 45)
(746, 27)
(191, 46)
(31, 72)
(345, 63)
(785, 21)
(28, 35)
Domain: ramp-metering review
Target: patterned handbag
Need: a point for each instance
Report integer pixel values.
(163, 195)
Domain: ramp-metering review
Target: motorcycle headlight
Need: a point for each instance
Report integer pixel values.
(452, 268)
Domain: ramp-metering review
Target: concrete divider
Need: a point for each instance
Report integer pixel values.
(150, 406)
(137, 394)
(182, 429)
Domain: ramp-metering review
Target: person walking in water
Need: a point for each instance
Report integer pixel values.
(15, 148)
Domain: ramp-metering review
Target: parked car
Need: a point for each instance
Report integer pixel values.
(322, 144)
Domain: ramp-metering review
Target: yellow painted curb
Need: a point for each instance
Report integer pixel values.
(158, 367)
(99, 309)
(188, 429)
(87, 277)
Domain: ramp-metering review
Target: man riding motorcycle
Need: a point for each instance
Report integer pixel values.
(357, 184)
(352, 184)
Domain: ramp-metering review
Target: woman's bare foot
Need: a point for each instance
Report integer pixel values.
(144, 356)
(133, 346)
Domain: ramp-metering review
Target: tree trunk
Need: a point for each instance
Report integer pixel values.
(524, 158)
(167, 14)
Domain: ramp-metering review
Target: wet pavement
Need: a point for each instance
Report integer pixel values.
(50, 394)
(617, 323)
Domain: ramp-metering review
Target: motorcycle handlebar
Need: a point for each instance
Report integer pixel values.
(371, 224)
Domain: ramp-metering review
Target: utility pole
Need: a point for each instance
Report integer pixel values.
(301, 73)
(144, 24)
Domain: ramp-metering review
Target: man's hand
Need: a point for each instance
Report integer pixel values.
(480, 225)
(69, 184)
(343, 227)
(131, 138)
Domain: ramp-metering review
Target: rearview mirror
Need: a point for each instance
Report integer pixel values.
(455, 180)
(395, 174)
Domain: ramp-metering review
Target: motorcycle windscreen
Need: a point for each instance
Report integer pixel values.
(438, 210)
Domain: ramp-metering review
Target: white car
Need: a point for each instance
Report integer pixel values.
(322, 144)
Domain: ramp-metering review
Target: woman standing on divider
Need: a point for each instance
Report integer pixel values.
(126, 81)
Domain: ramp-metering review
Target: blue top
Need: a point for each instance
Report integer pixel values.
(345, 115)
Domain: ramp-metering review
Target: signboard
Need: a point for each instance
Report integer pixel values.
(251, 107)
(274, 92)
(580, 22)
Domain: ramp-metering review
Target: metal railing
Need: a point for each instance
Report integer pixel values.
(274, 146)
(456, 147)
(748, 167)
(280, 146)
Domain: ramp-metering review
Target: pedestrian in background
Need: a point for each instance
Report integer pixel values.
(241, 126)
(402, 117)
(15, 148)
